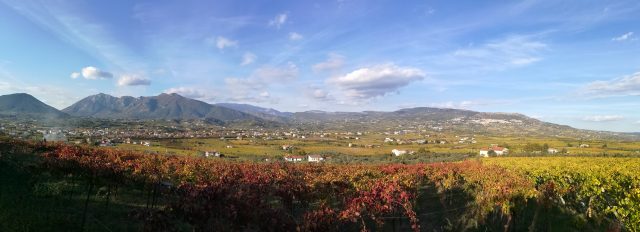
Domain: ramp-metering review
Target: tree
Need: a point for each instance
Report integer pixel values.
(423, 151)
(492, 153)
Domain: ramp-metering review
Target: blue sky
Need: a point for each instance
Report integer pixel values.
(568, 62)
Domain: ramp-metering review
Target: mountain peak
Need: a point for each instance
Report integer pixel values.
(25, 104)
(19, 95)
(170, 95)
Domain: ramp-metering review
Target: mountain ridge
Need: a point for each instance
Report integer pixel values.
(163, 106)
(176, 107)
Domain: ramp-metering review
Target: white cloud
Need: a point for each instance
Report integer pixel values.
(221, 42)
(375, 81)
(510, 52)
(525, 61)
(334, 62)
(318, 93)
(295, 36)
(254, 88)
(625, 86)
(625, 36)
(278, 21)
(603, 118)
(93, 73)
(191, 92)
(75, 75)
(133, 80)
(248, 58)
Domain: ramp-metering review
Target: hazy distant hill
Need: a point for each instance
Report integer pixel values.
(22, 104)
(173, 106)
(451, 120)
(265, 113)
(164, 106)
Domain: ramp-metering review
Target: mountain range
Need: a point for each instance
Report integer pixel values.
(163, 106)
(176, 107)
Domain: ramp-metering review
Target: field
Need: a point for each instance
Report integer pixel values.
(60, 188)
(373, 145)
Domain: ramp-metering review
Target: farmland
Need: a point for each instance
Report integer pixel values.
(373, 145)
(103, 189)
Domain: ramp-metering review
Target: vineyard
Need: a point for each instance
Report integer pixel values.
(69, 188)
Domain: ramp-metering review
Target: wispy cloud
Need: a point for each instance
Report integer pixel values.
(251, 89)
(221, 42)
(295, 36)
(84, 33)
(625, 86)
(248, 58)
(334, 62)
(318, 94)
(603, 118)
(623, 37)
(510, 52)
(192, 92)
(278, 21)
(133, 80)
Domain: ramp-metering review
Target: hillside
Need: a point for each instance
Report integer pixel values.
(22, 104)
(164, 106)
(173, 106)
(265, 113)
(446, 120)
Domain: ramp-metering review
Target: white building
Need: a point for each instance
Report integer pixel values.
(397, 152)
(213, 154)
(498, 150)
(294, 158)
(315, 158)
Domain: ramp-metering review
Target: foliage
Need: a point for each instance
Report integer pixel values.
(605, 190)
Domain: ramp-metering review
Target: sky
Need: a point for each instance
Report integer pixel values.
(571, 62)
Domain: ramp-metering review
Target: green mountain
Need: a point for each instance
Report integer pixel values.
(163, 106)
(22, 104)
